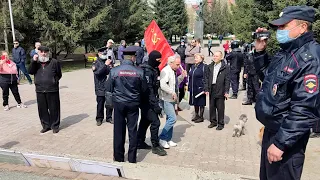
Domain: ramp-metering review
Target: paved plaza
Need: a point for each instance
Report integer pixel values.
(201, 153)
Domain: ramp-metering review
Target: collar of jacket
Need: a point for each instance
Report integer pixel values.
(197, 65)
(128, 62)
(145, 65)
(223, 65)
(297, 43)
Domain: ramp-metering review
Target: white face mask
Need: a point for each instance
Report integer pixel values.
(43, 59)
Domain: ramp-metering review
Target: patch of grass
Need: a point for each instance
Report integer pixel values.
(72, 66)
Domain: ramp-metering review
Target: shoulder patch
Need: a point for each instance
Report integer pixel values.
(127, 73)
(311, 83)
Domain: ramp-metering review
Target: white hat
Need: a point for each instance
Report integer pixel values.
(110, 41)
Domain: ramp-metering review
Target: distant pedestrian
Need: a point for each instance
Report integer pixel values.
(120, 50)
(181, 50)
(47, 73)
(19, 58)
(140, 54)
(210, 45)
(190, 52)
(9, 80)
(220, 38)
(35, 50)
(226, 48)
(110, 51)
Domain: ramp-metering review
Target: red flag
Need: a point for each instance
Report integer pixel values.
(155, 40)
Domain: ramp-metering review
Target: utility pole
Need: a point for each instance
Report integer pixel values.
(11, 19)
(5, 37)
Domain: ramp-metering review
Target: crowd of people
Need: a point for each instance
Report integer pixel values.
(284, 88)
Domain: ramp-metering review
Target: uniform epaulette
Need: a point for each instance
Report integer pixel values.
(306, 56)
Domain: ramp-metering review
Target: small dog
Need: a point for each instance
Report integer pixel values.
(261, 135)
(239, 128)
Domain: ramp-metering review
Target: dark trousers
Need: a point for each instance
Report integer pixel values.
(291, 165)
(244, 82)
(125, 115)
(5, 92)
(235, 77)
(49, 109)
(23, 68)
(209, 50)
(149, 118)
(216, 104)
(101, 100)
(225, 53)
(316, 127)
(181, 93)
(253, 87)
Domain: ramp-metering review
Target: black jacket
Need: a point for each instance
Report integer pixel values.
(127, 83)
(222, 83)
(289, 101)
(140, 55)
(100, 71)
(181, 50)
(151, 75)
(46, 75)
(249, 64)
(235, 59)
(8, 78)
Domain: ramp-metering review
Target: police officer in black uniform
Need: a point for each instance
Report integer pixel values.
(101, 69)
(235, 59)
(251, 76)
(150, 108)
(288, 103)
(127, 86)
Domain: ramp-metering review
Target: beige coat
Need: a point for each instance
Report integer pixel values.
(190, 52)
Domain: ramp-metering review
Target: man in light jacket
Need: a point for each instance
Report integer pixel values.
(168, 94)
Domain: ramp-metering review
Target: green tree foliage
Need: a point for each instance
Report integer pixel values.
(171, 16)
(216, 17)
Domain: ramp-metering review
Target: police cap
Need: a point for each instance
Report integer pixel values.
(43, 48)
(235, 44)
(130, 50)
(290, 13)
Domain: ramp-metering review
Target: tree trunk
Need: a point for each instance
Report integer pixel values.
(86, 48)
(175, 38)
(5, 37)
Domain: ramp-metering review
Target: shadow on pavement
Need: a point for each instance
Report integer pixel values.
(179, 131)
(28, 103)
(9, 145)
(142, 153)
(71, 120)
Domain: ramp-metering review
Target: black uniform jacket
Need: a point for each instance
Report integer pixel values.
(235, 58)
(46, 75)
(151, 75)
(222, 83)
(100, 71)
(127, 83)
(289, 101)
(249, 64)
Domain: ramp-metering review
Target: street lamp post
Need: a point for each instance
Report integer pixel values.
(11, 19)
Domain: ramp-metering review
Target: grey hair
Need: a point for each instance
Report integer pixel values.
(171, 59)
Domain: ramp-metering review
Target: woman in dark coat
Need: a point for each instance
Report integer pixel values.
(196, 86)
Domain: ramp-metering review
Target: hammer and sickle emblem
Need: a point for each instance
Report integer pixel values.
(154, 39)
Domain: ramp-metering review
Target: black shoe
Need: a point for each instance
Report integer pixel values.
(109, 120)
(99, 123)
(143, 145)
(45, 130)
(196, 118)
(219, 128)
(247, 103)
(159, 150)
(233, 97)
(199, 120)
(314, 135)
(212, 125)
(55, 131)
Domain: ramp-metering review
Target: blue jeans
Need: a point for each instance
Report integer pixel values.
(171, 119)
(22, 67)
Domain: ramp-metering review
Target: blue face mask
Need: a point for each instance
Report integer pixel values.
(283, 36)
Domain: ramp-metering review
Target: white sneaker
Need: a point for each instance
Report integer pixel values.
(6, 108)
(172, 144)
(164, 144)
(21, 106)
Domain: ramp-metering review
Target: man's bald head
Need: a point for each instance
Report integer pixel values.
(217, 56)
